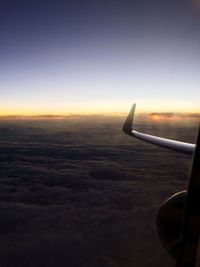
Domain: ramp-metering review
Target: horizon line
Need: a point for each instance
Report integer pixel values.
(194, 115)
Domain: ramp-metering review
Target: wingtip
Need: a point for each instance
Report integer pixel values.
(128, 125)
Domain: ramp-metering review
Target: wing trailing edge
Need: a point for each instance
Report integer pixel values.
(186, 148)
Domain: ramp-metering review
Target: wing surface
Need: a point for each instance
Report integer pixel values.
(186, 148)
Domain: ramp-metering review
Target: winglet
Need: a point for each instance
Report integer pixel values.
(128, 125)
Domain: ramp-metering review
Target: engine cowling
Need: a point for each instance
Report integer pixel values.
(169, 222)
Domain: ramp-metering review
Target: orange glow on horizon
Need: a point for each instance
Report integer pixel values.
(104, 107)
(156, 117)
(174, 117)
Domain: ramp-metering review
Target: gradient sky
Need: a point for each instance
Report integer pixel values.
(99, 56)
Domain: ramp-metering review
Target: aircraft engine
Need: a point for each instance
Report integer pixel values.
(169, 222)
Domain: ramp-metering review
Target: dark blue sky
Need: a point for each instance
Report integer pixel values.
(84, 56)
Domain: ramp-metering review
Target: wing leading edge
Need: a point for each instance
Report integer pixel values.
(186, 148)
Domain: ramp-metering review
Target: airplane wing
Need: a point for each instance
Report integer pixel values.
(182, 147)
(189, 235)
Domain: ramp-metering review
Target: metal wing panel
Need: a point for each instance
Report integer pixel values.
(182, 147)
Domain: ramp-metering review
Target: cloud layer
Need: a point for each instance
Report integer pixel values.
(79, 193)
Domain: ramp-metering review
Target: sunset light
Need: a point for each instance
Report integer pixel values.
(90, 65)
(63, 107)
(99, 118)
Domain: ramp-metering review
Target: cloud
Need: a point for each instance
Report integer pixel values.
(74, 197)
(178, 117)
